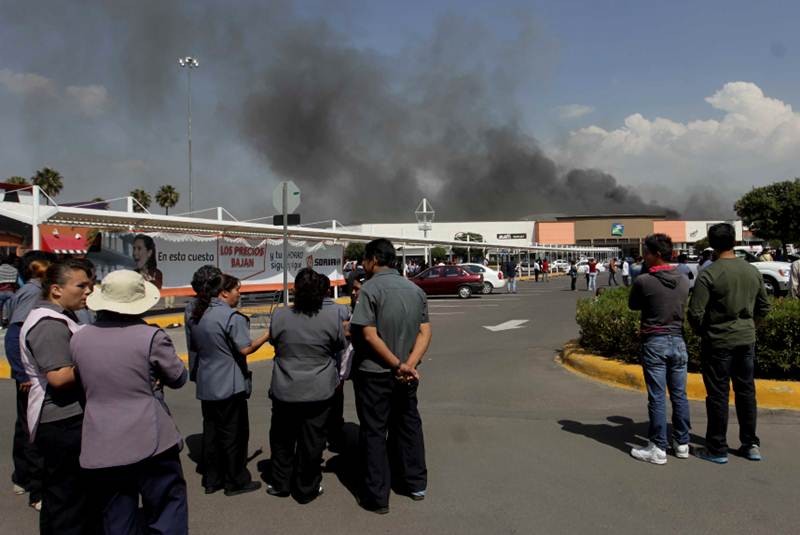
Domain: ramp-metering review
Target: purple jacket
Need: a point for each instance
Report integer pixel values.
(121, 366)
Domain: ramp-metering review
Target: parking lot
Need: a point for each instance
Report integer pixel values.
(515, 444)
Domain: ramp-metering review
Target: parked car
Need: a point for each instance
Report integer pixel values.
(775, 274)
(583, 267)
(492, 279)
(449, 280)
(559, 265)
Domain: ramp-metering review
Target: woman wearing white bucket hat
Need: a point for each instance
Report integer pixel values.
(130, 443)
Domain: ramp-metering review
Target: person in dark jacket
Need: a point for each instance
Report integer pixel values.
(661, 295)
(307, 338)
(130, 446)
(220, 336)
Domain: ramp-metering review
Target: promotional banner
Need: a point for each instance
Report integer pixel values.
(169, 260)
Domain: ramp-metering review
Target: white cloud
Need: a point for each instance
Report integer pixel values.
(573, 111)
(92, 99)
(756, 141)
(26, 83)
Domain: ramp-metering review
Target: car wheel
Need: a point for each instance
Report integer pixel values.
(487, 288)
(770, 286)
(464, 292)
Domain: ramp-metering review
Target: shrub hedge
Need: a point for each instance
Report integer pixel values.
(608, 327)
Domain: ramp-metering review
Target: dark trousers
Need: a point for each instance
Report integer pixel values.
(296, 440)
(226, 432)
(336, 417)
(65, 508)
(720, 368)
(27, 460)
(393, 447)
(536, 276)
(572, 283)
(158, 480)
(612, 278)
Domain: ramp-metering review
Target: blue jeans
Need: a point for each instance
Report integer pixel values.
(511, 286)
(591, 284)
(664, 359)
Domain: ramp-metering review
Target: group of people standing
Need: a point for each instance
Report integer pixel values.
(727, 301)
(95, 437)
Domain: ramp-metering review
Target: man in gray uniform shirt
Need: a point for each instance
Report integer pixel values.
(391, 333)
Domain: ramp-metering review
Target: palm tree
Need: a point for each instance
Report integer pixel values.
(141, 197)
(49, 180)
(17, 180)
(167, 197)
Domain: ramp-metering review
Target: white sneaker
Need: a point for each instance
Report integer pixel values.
(650, 453)
(19, 491)
(681, 450)
(37, 506)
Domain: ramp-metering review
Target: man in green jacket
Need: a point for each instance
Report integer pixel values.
(728, 299)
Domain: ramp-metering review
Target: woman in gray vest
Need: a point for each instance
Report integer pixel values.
(220, 337)
(307, 338)
(130, 445)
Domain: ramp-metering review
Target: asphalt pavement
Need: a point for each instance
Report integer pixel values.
(515, 444)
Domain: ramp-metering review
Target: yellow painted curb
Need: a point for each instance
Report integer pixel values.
(771, 394)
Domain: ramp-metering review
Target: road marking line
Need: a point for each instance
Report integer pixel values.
(506, 326)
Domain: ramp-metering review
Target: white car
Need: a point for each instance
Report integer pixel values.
(492, 280)
(775, 274)
(559, 266)
(583, 267)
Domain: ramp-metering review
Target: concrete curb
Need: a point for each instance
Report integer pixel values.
(771, 394)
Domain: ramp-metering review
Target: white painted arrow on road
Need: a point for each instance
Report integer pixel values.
(506, 326)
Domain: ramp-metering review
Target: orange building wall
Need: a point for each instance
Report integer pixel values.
(555, 233)
(674, 229)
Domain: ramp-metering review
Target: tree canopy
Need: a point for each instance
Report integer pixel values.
(354, 251)
(17, 180)
(771, 212)
(167, 197)
(49, 180)
(142, 198)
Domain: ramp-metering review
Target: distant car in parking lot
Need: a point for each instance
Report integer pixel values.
(492, 279)
(449, 280)
(775, 274)
(559, 265)
(583, 267)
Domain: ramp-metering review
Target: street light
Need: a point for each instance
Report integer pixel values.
(424, 214)
(189, 63)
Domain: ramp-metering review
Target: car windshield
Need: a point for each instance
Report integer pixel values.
(750, 257)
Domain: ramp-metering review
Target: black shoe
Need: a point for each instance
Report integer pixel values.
(244, 489)
(212, 490)
(372, 508)
(273, 492)
(311, 498)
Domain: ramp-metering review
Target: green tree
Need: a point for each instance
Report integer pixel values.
(141, 197)
(771, 212)
(49, 180)
(354, 251)
(438, 254)
(17, 180)
(700, 245)
(167, 197)
(473, 251)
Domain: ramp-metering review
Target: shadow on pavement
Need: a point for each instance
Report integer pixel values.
(194, 443)
(621, 432)
(346, 463)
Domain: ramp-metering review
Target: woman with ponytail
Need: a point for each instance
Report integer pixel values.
(219, 336)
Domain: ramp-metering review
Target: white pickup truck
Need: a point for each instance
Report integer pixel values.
(775, 274)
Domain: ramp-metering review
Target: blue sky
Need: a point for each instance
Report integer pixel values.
(95, 92)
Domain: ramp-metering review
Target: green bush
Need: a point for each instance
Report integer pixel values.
(608, 327)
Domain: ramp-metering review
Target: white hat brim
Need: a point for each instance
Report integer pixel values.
(97, 302)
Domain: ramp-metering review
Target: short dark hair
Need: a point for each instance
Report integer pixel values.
(308, 294)
(722, 237)
(58, 273)
(659, 245)
(382, 251)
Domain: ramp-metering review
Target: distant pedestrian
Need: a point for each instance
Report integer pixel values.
(8, 285)
(766, 255)
(661, 295)
(728, 299)
(685, 270)
(130, 445)
(55, 401)
(537, 269)
(307, 338)
(221, 338)
(612, 272)
(546, 270)
(706, 259)
(626, 272)
(573, 275)
(591, 284)
(391, 332)
(510, 272)
(794, 280)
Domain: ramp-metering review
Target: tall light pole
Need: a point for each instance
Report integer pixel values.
(424, 214)
(189, 63)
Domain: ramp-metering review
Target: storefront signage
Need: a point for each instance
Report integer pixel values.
(617, 229)
(518, 236)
